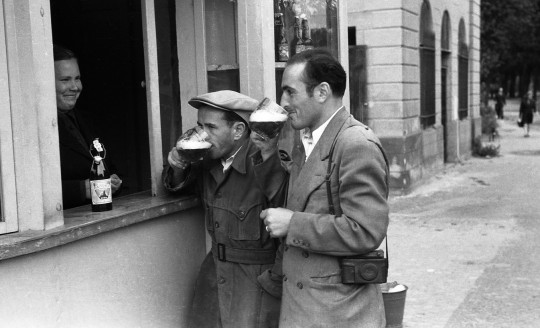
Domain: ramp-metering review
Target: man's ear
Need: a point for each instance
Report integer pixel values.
(238, 129)
(322, 92)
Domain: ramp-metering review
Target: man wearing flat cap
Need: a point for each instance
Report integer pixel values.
(238, 178)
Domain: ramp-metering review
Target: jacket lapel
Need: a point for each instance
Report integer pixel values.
(312, 174)
(238, 164)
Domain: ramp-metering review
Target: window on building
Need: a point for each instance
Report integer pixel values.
(118, 57)
(168, 71)
(302, 25)
(463, 72)
(107, 37)
(445, 65)
(427, 67)
(221, 45)
(445, 78)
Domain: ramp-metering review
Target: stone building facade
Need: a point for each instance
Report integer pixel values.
(422, 62)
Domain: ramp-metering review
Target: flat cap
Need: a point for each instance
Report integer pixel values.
(227, 100)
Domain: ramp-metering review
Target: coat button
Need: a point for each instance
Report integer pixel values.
(241, 214)
(284, 278)
(299, 285)
(216, 224)
(218, 195)
(305, 254)
(221, 280)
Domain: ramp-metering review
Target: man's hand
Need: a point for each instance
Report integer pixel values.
(277, 221)
(268, 147)
(176, 161)
(116, 182)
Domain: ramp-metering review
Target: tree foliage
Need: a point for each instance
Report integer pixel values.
(510, 41)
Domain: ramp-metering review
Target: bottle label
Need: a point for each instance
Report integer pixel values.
(101, 191)
(283, 52)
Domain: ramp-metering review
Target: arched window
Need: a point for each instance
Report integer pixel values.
(445, 65)
(463, 72)
(445, 33)
(427, 67)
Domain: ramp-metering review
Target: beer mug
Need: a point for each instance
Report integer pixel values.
(268, 119)
(192, 145)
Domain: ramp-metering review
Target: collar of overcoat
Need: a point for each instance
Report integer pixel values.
(238, 164)
(308, 176)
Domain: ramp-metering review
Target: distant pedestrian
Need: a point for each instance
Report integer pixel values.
(500, 102)
(526, 112)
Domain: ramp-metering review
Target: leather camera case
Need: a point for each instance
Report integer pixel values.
(370, 268)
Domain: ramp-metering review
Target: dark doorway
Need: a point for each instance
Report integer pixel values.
(106, 35)
(358, 82)
(444, 101)
(445, 68)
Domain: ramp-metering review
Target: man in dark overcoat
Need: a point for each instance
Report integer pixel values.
(238, 178)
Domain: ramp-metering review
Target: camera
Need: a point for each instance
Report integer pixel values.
(369, 268)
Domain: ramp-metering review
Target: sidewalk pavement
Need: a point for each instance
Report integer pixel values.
(467, 241)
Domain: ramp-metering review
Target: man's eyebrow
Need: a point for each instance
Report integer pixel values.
(206, 124)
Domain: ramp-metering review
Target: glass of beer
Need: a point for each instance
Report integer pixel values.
(268, 119)
(192, 145)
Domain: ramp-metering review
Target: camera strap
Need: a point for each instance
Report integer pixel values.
(331, 207)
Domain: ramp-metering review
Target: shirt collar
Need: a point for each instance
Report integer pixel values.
(310, 139)
(228, 162)
(317, 133)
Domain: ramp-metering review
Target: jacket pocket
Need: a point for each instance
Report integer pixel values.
(246, 222)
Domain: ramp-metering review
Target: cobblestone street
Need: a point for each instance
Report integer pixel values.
(466, 242)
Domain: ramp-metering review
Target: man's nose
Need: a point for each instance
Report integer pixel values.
(284, 101)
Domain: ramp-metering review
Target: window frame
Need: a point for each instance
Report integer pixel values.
(30, 172)
(463, 72)
(8, 194)
(427, 67)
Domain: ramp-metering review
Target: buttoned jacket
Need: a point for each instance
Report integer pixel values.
(313, 295)
(233, 202)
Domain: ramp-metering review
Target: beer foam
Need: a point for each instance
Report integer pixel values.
(267, 116)
(193, 144)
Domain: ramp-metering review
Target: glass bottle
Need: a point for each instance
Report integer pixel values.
(283, 45)
(298, 42)
(100, 179)
(306, 35)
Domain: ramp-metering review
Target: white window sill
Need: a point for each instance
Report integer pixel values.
(80, 222)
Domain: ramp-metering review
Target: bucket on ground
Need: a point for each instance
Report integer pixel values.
(394, 303)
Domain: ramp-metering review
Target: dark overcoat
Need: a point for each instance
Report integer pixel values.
(313, 295)
(75, 137)
(227, 291)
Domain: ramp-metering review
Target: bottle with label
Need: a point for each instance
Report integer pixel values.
(282, 43)
(298, 42)
(306, 35)
(100, 179)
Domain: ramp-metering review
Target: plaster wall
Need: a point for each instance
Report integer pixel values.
(138, 276)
